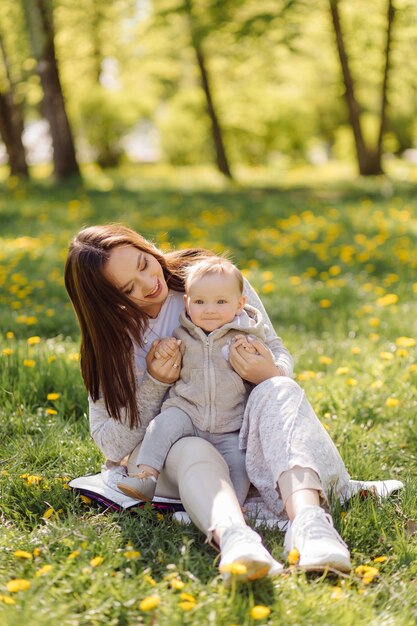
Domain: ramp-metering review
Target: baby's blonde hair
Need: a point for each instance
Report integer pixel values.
(212, 265)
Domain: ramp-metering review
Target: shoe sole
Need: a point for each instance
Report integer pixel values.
(336, 563)
(133, 493)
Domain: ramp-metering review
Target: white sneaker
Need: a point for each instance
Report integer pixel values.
(318, 543)
(240, 545)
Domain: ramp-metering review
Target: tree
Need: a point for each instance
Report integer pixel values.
(369, 158)
(11, 122)
(217, 134)
(39, 17)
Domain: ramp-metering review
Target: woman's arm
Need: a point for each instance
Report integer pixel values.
(282, 358)
(115, 439)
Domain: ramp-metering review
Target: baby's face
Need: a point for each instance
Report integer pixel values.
(213, 300)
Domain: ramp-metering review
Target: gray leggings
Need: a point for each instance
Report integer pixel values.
(174, 424)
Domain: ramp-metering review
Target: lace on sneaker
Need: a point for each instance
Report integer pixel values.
(322, 529)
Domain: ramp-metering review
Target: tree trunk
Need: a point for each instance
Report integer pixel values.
(222, 161)
(11, 128)
(387, 70)
(11, 123)
(369, 161)
(40, 22)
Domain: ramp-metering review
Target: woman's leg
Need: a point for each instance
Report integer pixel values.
(304, 468)
(195, 472)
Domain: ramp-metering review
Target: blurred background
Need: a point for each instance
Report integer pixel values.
(231, 83)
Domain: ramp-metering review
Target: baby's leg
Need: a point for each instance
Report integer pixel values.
(164, 430)
(228, 446)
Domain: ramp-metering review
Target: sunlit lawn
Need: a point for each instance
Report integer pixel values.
(335, 263)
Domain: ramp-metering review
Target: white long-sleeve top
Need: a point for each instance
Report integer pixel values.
(115, 439)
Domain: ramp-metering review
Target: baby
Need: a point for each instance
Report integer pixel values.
(209, 398)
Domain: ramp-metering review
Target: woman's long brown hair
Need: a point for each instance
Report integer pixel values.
(108, 319)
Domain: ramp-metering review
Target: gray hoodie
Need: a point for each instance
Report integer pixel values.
(209, 390)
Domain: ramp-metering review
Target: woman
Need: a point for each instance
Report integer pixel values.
(128, 295)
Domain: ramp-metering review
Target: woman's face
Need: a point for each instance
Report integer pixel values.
(138, 275)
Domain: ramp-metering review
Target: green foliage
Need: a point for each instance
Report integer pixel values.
(184, 129)
(105, 117)
(335, 265)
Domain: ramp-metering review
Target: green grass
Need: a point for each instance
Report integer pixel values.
(334, 261)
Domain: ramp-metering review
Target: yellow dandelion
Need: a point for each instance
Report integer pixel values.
(386, 356)
(73, 554)
(387, 300)
(22, 554)
(36, 552)
(236, 569)
(150, 580)
(306, 375)
(268, 287)
(367, 572)
(33, 341)
(17, 584)
(259, 611)
(44, 570)
(405, 342)
(374, 322)
(96, 561)
(267, 275)
(131, 554)
(85, 499)
(187, 597)
(10, 335)
(53, 396)
(356, 350)
(293, 556)
(74, 356)
(352, 382)
(51, 358)
(7, 600)
(149, 603)
(7, 351)
(402, 353)
(177, 584)
(51, 412)
(31, 480)
(380, 559)
(342, 370)
(29, 363)
(325, 304)
(48, 513)
(186, 605)
(373, 336)
(392, 402)
(326, 360)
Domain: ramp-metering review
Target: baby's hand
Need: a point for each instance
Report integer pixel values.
(167, 348)
(245, 342)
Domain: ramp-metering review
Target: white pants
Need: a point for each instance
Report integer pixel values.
(291, 436)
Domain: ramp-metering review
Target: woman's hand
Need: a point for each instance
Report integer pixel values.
(252, 365)
(163, 360)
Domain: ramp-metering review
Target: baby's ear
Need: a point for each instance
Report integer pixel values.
(242, 302)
